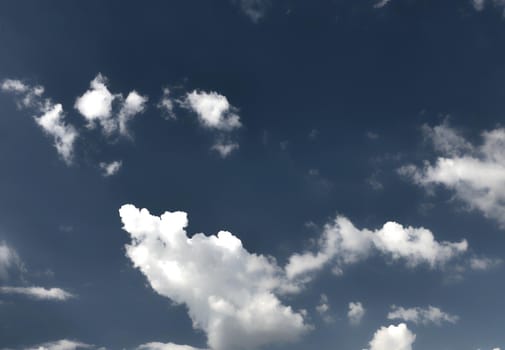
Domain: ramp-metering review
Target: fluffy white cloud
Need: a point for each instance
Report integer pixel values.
(419, 315)
(51, 116)
(133, 105)
(393, 338)
(213, 110)
(97, 106)
(63, 344)
(39, 293)
(8, 259)
(229, 292)
(165, 346)
(355, 313)
(111, 168)
(476, 174)
(342, 243)
(225, 148)
(64, 135)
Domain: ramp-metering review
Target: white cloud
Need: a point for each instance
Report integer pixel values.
(229, 292)
(39, 293)
(355, 313)
(254, 9)
(133, 105)
(323, 308)
(166, 104)
(111, 168)
(97, 106)
(381, 4)
(165, 346)
(342, 243)
(64, 135)
(478, 4)
(51, 119)
(8, 260)
(476, 174)
(62, 344)
(225, 148)
(393, 338)
(419, 315)
(213, 110)
(483, 263)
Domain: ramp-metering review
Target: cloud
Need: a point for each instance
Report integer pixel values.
(254, 9)
(355, 313)
(230, 293)
(475, 174)
(484, 263)
(51, 119)
(478, 5)
(63, 344)
(381, 4)
(341, 243)
(111, 168)
(166, 104)
(393, 338)
(64, 135)
(165, 346)
(323, 309)
(97, 106)
(225, 149)
(8, 260)
(417, 315)
(213, 110)
(39, 293)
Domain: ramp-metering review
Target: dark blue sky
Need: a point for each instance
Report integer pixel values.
(334, 97)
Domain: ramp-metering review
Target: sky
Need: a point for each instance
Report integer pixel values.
(252, 174)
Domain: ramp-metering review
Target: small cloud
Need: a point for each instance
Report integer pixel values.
(313, 134)
(323, 308)
(111, 168)
(483, 263)
(372, 135)
(417, 315)
(63, 344)
(166, 104)
(393, 338)
(355, 313)
(39, 293)
(381, 4)
(225, 149)
(9, 260)
(254, 9)
(165, 346)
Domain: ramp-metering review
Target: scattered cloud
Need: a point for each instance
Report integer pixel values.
(63, 344)
(39, 293)
(225, 149)
(355, 313)
(230, 294)
(165, 346)
(417, 315)
(475, 174)
(254, 9)
(324, 308)
(166, 104)
(393, 338)
(98, 106)
(341, 243)
(213, 110)
(478, 4)
(111, 168)
(484, 263)
(217, 114)
(9, 259)
(50, 116)
(381, 4)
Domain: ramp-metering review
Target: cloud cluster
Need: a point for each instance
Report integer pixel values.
(419, 315)
(50, 116)
(475, 174)
(230, 294)
(39, 293)
(341, 243)
(393, 338)
(111, 111)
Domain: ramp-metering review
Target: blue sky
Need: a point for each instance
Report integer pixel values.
(252, 174)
